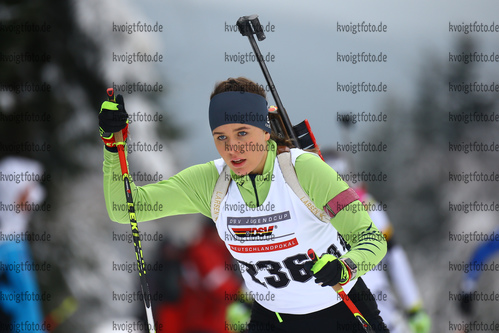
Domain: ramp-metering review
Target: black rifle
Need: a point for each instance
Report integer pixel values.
(300, 135)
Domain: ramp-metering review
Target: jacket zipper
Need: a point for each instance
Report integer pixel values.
(254, 187)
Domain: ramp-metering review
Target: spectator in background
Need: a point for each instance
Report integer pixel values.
(483, 252)
(206, 284)
(168, 284)
(398, 270)
(16, 193)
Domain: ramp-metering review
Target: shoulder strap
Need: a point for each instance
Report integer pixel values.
(289, 173)
(333, 207)
(221, 188)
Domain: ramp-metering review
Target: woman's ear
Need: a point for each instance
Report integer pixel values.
(267, 136)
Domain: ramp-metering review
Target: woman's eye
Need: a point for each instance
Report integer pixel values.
(221, 137)
(242, 133)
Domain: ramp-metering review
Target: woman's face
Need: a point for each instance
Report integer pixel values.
(243, 147)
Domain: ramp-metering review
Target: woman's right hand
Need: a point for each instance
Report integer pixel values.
(113, 119)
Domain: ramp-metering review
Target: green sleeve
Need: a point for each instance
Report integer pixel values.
(187, 192)
(367, 244)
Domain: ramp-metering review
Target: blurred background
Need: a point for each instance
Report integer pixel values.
(58, 58)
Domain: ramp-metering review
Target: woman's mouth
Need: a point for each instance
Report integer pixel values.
(238, 162)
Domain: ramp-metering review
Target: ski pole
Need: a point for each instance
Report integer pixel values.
(348, 302)
(118, 137)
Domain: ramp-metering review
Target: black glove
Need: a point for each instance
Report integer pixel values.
(113, 116)
(328, 270)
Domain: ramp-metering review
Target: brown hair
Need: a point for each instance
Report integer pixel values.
(238, 84)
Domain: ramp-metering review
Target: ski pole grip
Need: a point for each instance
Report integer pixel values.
(110, 94)
(311, 254)
(118, 136)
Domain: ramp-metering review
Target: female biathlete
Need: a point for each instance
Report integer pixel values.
(269, 208)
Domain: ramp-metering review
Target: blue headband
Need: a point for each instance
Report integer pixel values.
(239, 107)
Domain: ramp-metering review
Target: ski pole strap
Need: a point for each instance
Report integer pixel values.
(343, 199)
